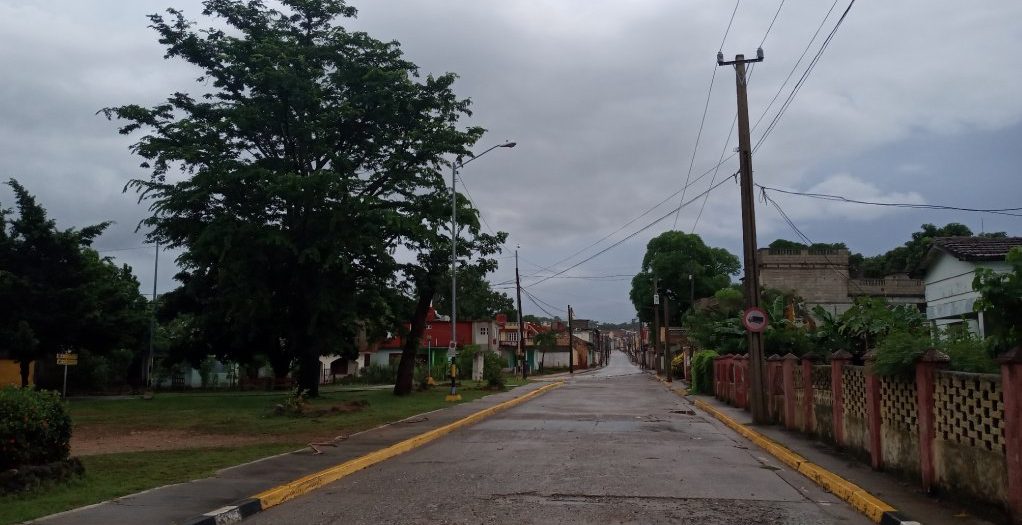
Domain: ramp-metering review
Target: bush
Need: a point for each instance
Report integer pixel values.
(379, 374)
(493, 370)
(897, 353)
(968, 352)
(35, 429)
(702, 372)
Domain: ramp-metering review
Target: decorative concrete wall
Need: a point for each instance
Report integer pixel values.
(958, 434)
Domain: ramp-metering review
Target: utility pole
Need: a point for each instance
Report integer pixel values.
(656, 325)
(571, 347)
(757, 397)
(667, 340)
(521, 331)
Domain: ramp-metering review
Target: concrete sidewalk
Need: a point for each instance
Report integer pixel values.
(173, 504)
(901, 494)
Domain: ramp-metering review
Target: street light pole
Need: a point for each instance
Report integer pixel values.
(453, 347)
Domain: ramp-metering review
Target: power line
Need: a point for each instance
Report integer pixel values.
(809, 241)
(795, 67)
(771, 26)
(479, 211)
(536, 301)
(840, 198)
(643, 214)
(633, 234)
(734, 121)
(706, 107)
(804, 77)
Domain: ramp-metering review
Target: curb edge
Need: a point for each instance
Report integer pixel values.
(869, 505)
(275, 496)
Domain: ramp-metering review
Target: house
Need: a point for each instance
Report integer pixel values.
(821, 278)
(433, 346)
(950, 268)
(10, 371)
(507, 339)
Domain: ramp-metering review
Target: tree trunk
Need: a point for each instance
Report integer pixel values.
(406, 368)
(309, 370)
(23, 365)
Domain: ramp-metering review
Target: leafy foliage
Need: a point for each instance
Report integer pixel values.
(60, 293)
(35, 428)
(291, 179)
(671, 257)
(1000, 300)
(702, 372)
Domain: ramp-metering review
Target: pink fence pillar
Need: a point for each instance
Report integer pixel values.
(926, 378)
(773, 373)
(730, 379)
(807, 393)
(741, 381)
(717, 377)
(873, 418)
(838, 360)
(1011, 388)
(788, 380)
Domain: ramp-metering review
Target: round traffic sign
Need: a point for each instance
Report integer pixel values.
(755, 319)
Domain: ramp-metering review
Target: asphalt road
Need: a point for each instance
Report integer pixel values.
(613, 446)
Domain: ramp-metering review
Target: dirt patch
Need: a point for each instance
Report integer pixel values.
(88, 441)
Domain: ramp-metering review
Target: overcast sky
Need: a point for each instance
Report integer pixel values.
(914, 101)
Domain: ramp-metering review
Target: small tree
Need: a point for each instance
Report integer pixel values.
(1000, 301)
(545, 341)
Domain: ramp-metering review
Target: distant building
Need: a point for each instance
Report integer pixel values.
(820, 277)
(950, 269)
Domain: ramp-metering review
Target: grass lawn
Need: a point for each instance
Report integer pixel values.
(243, 413)
(112, 475)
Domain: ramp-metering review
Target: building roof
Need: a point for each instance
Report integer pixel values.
(976, 248)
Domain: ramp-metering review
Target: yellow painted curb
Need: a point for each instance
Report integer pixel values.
(301, 486)
(856, 496)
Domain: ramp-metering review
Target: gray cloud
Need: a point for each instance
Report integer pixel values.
(604, 99)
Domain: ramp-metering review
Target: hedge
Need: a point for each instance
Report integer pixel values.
(35, 429)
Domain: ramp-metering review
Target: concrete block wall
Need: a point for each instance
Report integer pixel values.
(957, 434)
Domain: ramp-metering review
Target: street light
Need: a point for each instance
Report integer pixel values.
(452, 349)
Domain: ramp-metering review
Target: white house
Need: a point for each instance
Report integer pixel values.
(950, 269)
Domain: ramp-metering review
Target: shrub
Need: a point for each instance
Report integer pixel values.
(380, 374)
(493, 370)
(968, 352)
(702, 372)
(897, 353)
(35, 429)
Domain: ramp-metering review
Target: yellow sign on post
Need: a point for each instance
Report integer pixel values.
(67, 359)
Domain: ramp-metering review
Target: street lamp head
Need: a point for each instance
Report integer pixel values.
(509, 145)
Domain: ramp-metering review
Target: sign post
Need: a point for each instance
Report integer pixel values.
(67, 359)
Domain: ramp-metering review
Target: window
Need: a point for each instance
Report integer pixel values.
(512, 336)
(483, 330)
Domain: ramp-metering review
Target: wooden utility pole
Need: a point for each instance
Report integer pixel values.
(757, 394)
(667, 340)
(521, 330)
(656, 325)
(571, 347)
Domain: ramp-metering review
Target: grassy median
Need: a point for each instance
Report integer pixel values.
(205, 419)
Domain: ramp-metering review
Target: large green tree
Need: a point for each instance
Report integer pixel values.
(477, 299)
(283, 177)
(429, 272)
(671, 257)
(58, 293)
